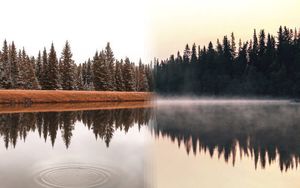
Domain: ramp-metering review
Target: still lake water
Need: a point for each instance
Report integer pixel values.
(186, 143)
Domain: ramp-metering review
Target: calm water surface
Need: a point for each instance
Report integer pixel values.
(85, 149)
(187, 143)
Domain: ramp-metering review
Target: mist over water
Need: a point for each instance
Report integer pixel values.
(262, 129)
(217, 101)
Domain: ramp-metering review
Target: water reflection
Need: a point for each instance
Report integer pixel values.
(103, 123)
(264, 132)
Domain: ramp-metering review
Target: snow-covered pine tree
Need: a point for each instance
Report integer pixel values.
(110, 61)
(31, 79)
(136, 77)
(150, 77)
(100, 69)
(44, 76)
(39, 68)
(84, 75)
(119, 76)
(67, 70)
(89, 74)
(128, 76)
(22, 72)
(52, 71)
(15, 69)
(142, 79)
(4, 67)
(133, 69)
(79, 77)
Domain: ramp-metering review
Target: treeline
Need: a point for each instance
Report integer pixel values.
(18, 70)
(266, 65)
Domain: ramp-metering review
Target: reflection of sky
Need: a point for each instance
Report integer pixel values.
(171, 163)
(127, 151)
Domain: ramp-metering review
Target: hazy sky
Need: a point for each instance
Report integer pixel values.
(138, 28)
(177, 22)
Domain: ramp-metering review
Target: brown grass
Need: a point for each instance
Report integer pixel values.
(28, 97)
(61, 107)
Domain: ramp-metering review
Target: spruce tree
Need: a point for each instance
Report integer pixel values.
(84, 75)
(194, 54)
(110, 61)
(67, 68)
(119, 76)
(79, 77)
(44, 76)
(142, 78)
(233, 45)
(186, 54)
(14, 67)
(52, 71)
(89, 75)
(128, 76)
(39, 68)
(30, 79)
(101, 74)
(4, 67)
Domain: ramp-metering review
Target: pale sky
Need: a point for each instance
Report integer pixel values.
(138, 28)
(87, 24)
(175, 23)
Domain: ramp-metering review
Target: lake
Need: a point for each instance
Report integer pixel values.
(174, 143)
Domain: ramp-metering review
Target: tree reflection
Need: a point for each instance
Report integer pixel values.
(103, 123)
(265, 133)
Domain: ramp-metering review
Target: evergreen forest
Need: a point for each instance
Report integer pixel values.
(48, 71)
(266, 65)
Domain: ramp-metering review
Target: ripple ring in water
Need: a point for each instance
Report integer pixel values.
(75, 176)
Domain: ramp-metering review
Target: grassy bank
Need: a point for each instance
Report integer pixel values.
(29, 97)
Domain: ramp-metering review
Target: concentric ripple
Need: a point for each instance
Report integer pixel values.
(75, 176)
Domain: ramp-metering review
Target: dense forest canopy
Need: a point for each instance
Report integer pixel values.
(266, 65)
(47, 71)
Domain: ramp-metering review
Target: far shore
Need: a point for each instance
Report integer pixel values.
(29, 97)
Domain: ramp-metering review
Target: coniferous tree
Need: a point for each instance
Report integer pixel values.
(233, 45)
(67, 68)
(119, 76)
(52, 71)
(14, 71)
(29, 78)
(39, 68)
(45, 65)
(89, 76)
(128, 76)
(194, 54)
(79, 78)
(142, 78)
(101, 74)
(110, 61)
(4, 64)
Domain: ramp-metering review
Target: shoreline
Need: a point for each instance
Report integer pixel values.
(29, 97)
(64, 107)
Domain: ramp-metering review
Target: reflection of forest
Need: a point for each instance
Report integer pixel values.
(102, 122)
(266, 133)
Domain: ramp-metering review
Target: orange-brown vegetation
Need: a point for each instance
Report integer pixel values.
(29, 97)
